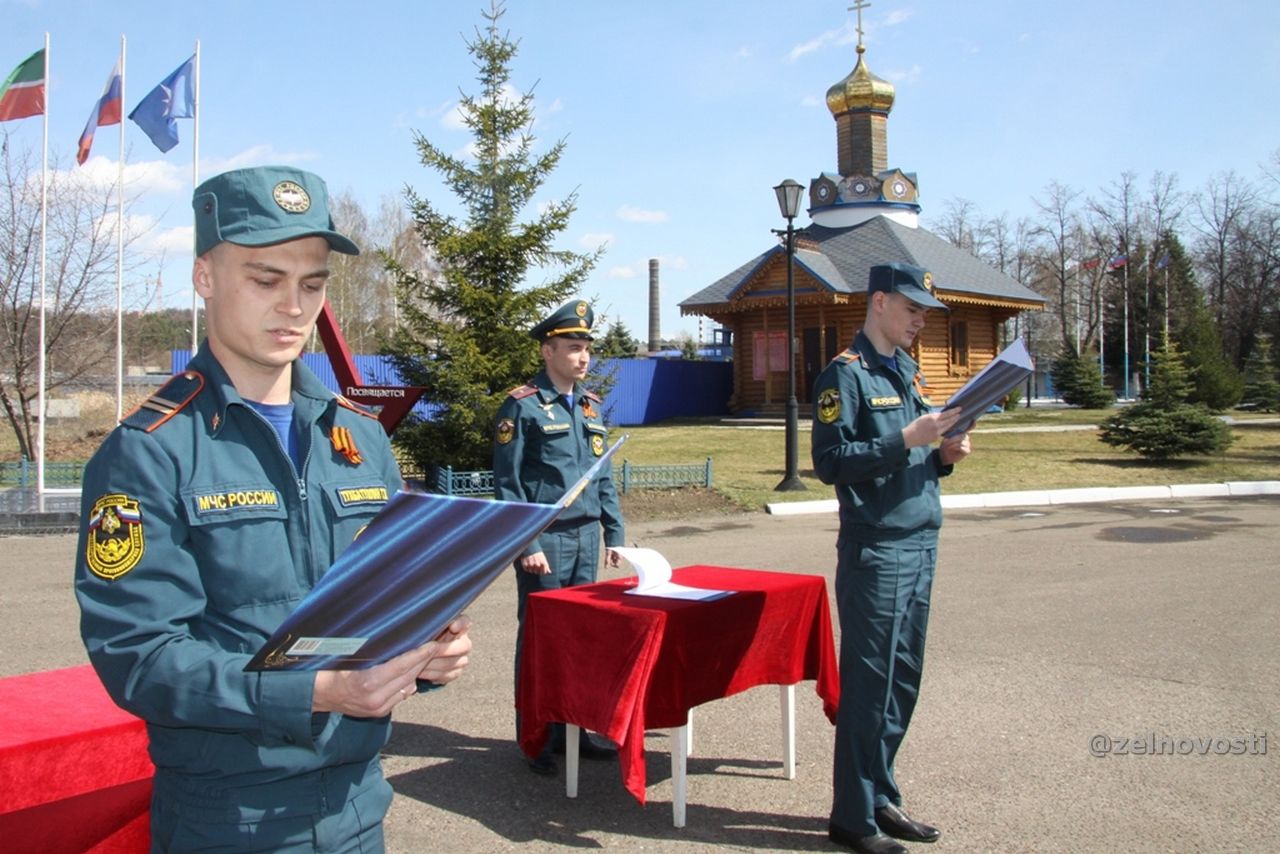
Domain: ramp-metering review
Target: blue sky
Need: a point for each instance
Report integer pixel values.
(680, 117)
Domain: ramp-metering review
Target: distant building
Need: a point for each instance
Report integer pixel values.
(866, 214)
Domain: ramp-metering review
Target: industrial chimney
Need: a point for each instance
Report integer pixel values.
(654, 307)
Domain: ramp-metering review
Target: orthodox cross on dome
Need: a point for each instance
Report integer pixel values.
(858, 6)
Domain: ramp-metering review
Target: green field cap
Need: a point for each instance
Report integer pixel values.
(264, 205)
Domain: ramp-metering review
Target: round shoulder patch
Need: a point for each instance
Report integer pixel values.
(829, 405)
(114, 544)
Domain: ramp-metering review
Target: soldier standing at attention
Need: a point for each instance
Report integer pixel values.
(548, 433)
(873, 431)
(209, 513)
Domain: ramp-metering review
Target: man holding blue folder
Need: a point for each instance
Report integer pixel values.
(873, 435)
(208, 515)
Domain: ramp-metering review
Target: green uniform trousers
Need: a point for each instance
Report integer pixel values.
(882, 595)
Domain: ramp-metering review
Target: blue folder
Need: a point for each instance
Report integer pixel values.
(421, 561)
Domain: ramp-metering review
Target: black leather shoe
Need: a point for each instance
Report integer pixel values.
(543, 764)
(876, 843)
(893, 821)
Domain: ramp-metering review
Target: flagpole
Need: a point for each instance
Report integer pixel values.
(195, 180)
(42, 368)
(1166, 303)
(120, 248)
(1126, 327)
(1102, 329)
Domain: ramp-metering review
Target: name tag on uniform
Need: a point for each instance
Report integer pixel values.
(209, 503)
(884, 402)
(558, 427)
(349, 496)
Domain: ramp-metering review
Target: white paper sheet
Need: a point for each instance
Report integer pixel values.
(653, 575)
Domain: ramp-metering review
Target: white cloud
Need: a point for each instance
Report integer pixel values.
(633, 214)
(898, 16)
(812, 101)
(146, 176)
(673, 262)
(622, 273)
(596, 239)
(911, 75)
(173, 241)
(258, 155)
(556, 106)
(744, 53)
(845, 35)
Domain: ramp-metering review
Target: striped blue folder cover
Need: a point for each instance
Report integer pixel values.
(422, 560)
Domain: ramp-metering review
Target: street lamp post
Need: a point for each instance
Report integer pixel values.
(789, 193)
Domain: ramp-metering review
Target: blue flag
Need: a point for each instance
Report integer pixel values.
(173, 99)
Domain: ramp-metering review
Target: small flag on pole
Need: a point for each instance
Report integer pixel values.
(1163, 261)
(1090, 264)
(1117, 262)
(22, 93)
(172, 99)
(105, 112)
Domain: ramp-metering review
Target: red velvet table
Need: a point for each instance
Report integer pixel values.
(74, 770)
(618, 664)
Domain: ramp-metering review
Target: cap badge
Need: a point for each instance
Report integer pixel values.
(928, 282)
(290, 196)
(581, 309)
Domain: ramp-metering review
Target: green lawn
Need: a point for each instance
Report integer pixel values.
(748, 463)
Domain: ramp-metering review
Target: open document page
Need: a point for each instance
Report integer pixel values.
(990, 385)
(420, 562)
(653, 577)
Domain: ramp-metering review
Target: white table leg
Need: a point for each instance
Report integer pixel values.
(679, 765)
(688, 725)
(571, 735)
(789, 731)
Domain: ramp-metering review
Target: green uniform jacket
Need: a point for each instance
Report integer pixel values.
(886, 492)
(197, 539)
(540, 449)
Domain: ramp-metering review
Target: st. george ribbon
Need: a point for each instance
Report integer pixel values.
(421, 561)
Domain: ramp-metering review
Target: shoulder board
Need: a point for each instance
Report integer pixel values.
(177, 392)
(522, 391)
(356, 407)
(592, 396)
(847, 356)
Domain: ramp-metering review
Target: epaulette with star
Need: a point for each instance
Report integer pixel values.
(591, 395)
(177, 392)
(356, 407)
(522, 391)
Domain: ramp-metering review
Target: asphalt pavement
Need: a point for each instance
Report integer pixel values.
(1067, 645)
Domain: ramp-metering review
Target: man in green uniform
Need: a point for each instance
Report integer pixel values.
(549, 432)
(873, 432)
(208, 515)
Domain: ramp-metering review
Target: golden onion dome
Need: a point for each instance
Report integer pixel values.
(861, 90)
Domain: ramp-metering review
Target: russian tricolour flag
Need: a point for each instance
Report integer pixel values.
(106, 112)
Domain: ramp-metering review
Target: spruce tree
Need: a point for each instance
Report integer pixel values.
(1163, 425)
(1078, 381)
(464, 331)
(617, 343)
(1261, 388)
